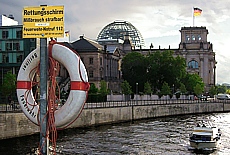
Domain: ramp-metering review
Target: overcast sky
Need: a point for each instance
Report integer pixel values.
(159, 21)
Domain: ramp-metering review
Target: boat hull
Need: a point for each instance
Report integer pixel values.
(200, 145)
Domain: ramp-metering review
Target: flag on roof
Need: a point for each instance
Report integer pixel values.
(66, 33)
(197, 11)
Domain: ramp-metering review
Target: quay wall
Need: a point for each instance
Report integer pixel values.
(17, 125)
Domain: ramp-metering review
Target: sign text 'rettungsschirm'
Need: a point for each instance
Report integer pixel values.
(43, 22)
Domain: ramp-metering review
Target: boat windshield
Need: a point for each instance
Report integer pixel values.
(200, 137)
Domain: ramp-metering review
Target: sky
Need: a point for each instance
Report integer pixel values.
(158, 21)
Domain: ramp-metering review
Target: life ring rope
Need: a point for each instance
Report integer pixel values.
(79, 86)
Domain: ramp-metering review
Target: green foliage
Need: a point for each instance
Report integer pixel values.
(183, 88)
(213, 91)
(95, 98)
(147, 88)
(156, 68)
(221, 89)
(126, 88)
(191, 80)
(93, 89)
(96, 95)
(103, 88)
(134, 69)
(9, 84)
(198, 89)
(228, 91)
(163, 67)
(165, 90)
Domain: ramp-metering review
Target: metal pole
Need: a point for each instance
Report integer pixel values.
(136, 92)
(43, 94)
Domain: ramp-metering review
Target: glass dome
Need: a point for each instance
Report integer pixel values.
(118, 29)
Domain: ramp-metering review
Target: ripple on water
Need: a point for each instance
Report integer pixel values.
(167, 136)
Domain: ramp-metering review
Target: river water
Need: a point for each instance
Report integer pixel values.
(159, 136)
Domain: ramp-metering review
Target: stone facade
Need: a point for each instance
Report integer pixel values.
(101, 62)
(198, 53)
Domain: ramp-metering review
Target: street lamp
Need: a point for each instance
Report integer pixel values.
(136, 91)
(173, 89)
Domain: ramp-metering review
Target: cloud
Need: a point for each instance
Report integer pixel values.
(158, 21)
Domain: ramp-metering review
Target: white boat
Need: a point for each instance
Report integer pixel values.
(205, 138)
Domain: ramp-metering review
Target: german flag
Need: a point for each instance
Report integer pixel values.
(197, 11)
(66, 33)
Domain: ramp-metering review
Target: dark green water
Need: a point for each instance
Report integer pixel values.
(167, 136)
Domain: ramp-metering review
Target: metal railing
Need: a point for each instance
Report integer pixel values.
(15, 107)
(113, 104)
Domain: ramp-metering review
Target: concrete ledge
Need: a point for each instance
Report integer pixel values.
(17, 124)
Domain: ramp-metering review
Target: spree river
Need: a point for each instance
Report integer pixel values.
(159, 136)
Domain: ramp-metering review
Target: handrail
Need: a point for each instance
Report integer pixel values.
(113, 104)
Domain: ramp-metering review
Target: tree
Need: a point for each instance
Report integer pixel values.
(165, 90)
(213, 91)
(183, 88)
(93, 89)
(147, 88)
(9, 85)
(163, 67)
(191, 80)
(134, 70)
(103, 88)
(198, 89)
(126, 88)
(228, 91)
(221, 89)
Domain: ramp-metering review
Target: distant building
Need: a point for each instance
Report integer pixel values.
(194, 47)
(118, 30)
(13, 49)
(198, 53)
(7, 21)
(101, 62)
(102, 58)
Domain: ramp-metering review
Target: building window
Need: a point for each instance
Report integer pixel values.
(5, 34)
(16, 46)
(187, 38)
(8, 46)
(199, 37)
(193, 38)
(32, 40)
(19, 34)
(91, 73)
(90, 60)
(19, 58)
(4, 58)
(101, 61)
(193, 64)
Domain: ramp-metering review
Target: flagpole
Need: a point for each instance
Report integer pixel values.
(196, 12)
(193, 17)
(69, 36)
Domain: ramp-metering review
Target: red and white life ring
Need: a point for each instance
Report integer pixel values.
(78, 86)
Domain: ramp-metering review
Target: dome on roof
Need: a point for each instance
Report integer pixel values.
(118, 30)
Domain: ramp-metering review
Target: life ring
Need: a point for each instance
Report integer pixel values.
(79, 86)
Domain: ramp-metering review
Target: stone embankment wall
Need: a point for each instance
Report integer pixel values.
(17, 125)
